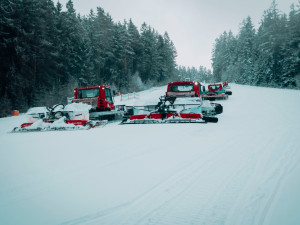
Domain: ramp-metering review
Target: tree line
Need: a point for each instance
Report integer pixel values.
(268, 57)
(201, 74)
(45, 52)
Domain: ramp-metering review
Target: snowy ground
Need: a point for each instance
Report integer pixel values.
(243, 170)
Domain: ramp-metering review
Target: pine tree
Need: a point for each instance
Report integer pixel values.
(169, 58)
(266, 58)
(291, 70)
(245, 53)
(270, 38)
(45, 52)
(135, 44)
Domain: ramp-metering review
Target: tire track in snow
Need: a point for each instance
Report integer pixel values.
(214, 208)
(290, 161)
(156, 193)
(183, 197)
(255, 200)
(41, 188)
(240, 176)
(153, 212)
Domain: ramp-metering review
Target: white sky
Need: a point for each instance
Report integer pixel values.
(193, 25)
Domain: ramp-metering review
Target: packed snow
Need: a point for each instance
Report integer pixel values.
(36, 110)
(77, 107)
(242, 170)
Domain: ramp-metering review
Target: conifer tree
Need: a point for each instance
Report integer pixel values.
(246, 52)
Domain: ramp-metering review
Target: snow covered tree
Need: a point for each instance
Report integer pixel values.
(45, 52)
(224, 56)
(291, 68)
(268, 57)
(245, 52)
(270, 40)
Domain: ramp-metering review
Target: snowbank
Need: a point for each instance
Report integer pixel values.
(36, 110)
(78, 107)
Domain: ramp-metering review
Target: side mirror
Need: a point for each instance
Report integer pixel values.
(114, 92)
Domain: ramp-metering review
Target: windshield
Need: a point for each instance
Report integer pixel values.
(214, 87)
(88, 93)
(108, 95)
(188, 87)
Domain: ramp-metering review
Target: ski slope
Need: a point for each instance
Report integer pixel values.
(242, 170)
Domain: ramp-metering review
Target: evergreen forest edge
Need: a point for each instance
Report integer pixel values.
(46, 52)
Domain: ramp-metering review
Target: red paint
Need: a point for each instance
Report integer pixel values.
(190, 115)
(169, 115)
(138, 117)
(192, 93)
(77, 122)
(26, 125)
(225, 83)
(158, 115)
(215, 87)
(103, 102)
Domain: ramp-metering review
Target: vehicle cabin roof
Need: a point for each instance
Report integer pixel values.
(93, 87)
(181, 82)
(217, 84)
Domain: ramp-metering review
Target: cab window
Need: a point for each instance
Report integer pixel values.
(188, 87)
(108, 95)
(88, 93)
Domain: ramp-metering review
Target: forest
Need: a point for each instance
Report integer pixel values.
(268, 56)
(45, 52)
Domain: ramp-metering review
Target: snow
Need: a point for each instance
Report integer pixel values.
(149, 97)
(242, 170)
(70, 107)
(36, 110)
(78, 107)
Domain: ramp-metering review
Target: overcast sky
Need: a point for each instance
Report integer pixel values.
(193, 25)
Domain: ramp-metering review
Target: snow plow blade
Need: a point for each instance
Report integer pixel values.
(169, 113)
(71, 117)
(156, 118)
(154, 121)
(207, 109)
(59, 125)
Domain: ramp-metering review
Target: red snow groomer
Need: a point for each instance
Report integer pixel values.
(216, 92)
(189, 107)
(58, 117)
(166, 112)
(101, 100)
(185, 89)
(92, 106)
(225, 85)
(185, 92)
